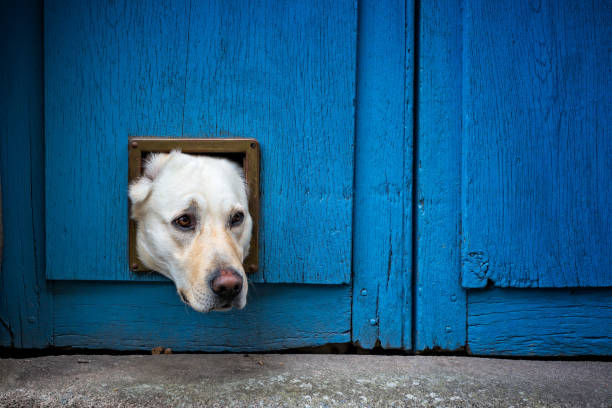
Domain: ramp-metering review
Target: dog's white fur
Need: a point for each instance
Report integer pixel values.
(210, 190)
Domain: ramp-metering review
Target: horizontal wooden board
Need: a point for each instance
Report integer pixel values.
(540, 322)
(282, 73)
(140, 316)
(537, 144)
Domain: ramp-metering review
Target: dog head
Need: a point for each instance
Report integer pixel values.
(194, 227)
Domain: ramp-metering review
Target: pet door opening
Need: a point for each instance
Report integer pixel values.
(244, 152)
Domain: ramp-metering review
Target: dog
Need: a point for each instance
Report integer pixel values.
(193, 226)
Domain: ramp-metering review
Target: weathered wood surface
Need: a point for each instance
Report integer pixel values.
(440, 302)
(283, 73)
(542, 322)
(382, 295)
(513, 124)
(25, 312)
(143, 315)
(537, 143)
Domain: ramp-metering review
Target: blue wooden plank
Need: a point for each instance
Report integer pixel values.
(440, 302)
(25, 312)
(382, 298)
(537, 143)
(137, 316)
(111, 70)
(542, 322)
(283, 73)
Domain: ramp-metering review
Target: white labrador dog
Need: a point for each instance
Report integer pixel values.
(194, 227)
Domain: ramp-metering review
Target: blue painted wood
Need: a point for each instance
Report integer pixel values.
(25, 313)
(440, 302)
(382, 298)
(537, 143)
(110, 71)
(542, 322)
(140, 316)
(283, 73)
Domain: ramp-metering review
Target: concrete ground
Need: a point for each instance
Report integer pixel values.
(237, 380)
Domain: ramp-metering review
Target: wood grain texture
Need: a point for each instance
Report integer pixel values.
(382, 298)
(282, 73)
(537, 143)
(542, 322)
(110, 71)
(140, 316)
(440, 302)
(25, 305)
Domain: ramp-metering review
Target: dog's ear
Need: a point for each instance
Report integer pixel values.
(154, 164)
(138, 193)
(141, 188)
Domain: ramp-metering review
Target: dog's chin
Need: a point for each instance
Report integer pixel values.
(202, 308)
(223, 308)
(215, 305)
(226, 306)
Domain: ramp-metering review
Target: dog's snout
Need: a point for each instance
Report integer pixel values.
(226, 283)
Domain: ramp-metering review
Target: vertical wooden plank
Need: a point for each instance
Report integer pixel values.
(440, 304)
(537, 143)
(284, 73)
(25, 304)
(382, 301)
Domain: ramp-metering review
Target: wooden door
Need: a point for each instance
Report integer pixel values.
(514, 177)
(282, 73)
(335, 237)
(436, 175)
(537, 175)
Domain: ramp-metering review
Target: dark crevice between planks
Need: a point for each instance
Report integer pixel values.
(355, 117)
(415, 159)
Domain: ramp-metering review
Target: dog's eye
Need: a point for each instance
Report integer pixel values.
(236, 219)
(184, 222)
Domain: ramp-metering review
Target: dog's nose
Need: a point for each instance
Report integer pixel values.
(226, 283)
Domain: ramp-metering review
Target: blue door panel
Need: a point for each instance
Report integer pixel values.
(537, 144)
(283, 73)
(143, 315)
(110, 71)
